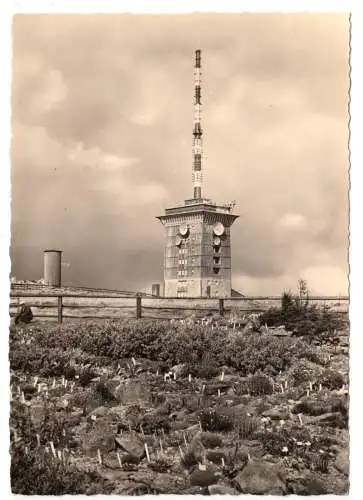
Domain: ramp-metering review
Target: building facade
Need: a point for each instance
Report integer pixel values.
(197, 256)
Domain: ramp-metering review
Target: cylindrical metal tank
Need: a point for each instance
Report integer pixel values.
(155, 289)
(52, 267)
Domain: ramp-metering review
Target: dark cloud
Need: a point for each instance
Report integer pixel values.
(102, 117)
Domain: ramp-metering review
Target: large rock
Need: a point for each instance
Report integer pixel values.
(308, 486)
(342, 461)
(331, 419)
(279, 413)
(131, 444)
(260, 478)
(220, 489)
(37, 415)
(131, 392)
(203, 478)
(101, 438)
(180, 370)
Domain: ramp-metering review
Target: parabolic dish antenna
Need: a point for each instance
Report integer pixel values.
(183, 229)
(218, 229)
(178, 241)
(216, 241)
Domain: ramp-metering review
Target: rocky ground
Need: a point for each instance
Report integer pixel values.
(139, 427)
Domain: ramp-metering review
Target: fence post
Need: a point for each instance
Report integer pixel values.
(221, 307)
(138, 306)
(60, 309)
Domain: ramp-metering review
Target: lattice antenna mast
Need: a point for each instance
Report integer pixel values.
(197, 131)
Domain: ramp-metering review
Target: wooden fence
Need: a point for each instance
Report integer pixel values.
(63, 306)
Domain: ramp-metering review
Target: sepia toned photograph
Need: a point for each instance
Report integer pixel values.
(179, 288)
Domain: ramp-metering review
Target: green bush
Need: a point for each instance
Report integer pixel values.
(35, 473)
(260, 385)
(303, 318)
(211, 440)
(215, 421)
(204, 349)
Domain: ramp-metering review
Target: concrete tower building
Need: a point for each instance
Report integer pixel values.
(197, 257)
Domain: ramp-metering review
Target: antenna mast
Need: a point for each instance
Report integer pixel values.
(197, 131)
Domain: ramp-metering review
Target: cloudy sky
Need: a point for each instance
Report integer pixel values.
(102, 112)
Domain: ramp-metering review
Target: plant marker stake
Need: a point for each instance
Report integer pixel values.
(181, 451)
(35, 381)
(310, 386)
(38, 388)
(282, 388)
(99, 457)
(119, 459)
(223, 462)
(203, 388)
(285, 384)
(200, 425)
(133, 361)
(174, 376)
(130, 428)
(157, 373)
(300, 419)
(219, 393)
(320, 387)
(147, 452)
(185, 440)
(161, 446)
(22, 398)
(142, 430)
(248, 457)
(60, 457)
(308, 393)
(19, 391)
(53, 449)
(65, 383)
(222, 376)
(53, 385)
(189, 377)
(38, 441)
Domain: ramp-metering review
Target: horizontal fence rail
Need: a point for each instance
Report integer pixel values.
(55, 305)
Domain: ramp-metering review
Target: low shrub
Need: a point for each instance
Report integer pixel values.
(211, 440)
(190, 459)
(246, 426)
(321, 462)
(260, 385)
(332, 379)
(215, 420)
(35, 473)
(303, 318)
(251, 353)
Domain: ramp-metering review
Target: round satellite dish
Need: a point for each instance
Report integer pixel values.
(183, 229)
(218, 229)
(216, 241)
(178, 241)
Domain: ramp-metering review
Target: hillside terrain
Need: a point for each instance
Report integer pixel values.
(147, 407)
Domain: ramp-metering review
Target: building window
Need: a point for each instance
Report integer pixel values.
(216, 270)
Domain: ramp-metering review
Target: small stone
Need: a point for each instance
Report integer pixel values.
(342, 461)
(203, 478)
(220, 489)
(131, 445)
